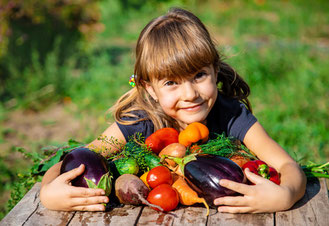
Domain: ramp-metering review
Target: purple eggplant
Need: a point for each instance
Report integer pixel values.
(96, 174)
(204, 173)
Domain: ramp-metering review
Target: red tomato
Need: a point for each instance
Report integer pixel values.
(159, 175)
(164, 196)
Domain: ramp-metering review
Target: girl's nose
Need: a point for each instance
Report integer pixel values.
(189, 92)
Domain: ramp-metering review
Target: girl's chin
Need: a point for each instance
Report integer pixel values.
(190, 119)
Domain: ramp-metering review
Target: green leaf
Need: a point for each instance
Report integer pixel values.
(105, 183)
(90, 183)
(34, 156)
(57, 157)
(72, 142)
(52, 161)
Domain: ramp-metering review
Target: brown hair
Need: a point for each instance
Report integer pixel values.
(174, 46)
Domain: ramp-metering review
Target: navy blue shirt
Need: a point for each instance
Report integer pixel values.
(228, 116)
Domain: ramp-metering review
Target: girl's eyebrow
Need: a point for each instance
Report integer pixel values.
(201, 71)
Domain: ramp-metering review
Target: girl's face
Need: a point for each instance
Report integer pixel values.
(189, 100)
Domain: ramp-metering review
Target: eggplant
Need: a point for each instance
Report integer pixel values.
(96, 174)
(204, 173)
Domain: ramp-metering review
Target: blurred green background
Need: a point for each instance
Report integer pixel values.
(64, 63)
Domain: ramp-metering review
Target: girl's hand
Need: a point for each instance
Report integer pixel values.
(59, 194)
(264, 196)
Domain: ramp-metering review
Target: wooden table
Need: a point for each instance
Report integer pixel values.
(312, 209)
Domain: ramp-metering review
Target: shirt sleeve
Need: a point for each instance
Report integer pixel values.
(240, 122)
(145, 127)
(231, 117)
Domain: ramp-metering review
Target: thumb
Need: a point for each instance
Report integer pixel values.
(72, 174)
(252, 177)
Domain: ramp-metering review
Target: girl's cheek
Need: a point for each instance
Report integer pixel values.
(168, 104)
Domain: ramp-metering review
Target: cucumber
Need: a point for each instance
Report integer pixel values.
(151, 160)
(127, 165)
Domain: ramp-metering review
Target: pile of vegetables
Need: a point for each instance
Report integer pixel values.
(169, 168)
(176, 168)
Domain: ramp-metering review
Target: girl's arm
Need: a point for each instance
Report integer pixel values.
(265, 196)
(291, 175)
(57, 193)
(112, 131)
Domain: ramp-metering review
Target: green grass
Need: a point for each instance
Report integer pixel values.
(281, 48)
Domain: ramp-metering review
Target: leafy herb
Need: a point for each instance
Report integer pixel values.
(110, 146)
(226, 147)
(316, 170)
(134, 148)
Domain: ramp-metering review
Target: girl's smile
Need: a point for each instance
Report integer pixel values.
(192, 108)
(189, 100)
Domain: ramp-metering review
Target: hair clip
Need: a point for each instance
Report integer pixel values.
(132, 81)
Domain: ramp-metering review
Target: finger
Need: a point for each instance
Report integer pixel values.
(235, 186)
(254, 178)
(235, 209)
(72, 174)
(231, 201)
(86, 192)
(89, 201)
(97, 207)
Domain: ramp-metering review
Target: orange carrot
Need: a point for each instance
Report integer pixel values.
(187, 196)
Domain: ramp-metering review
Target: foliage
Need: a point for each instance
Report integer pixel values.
(135, 148)
(41, 163)
(226, 147)
(316, 170)
(35, 36)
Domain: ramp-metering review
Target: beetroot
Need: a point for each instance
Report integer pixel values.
(130, 189)
(96, 174)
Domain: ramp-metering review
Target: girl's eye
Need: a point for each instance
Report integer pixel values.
(200, 75)
(170, 83)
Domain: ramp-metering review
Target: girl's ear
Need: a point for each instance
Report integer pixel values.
(151, 91)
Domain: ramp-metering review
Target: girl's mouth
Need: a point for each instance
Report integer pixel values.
(192, 108)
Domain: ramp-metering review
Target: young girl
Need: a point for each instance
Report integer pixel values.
(179, 79)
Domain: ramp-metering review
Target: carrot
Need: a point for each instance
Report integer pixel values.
(187, 196)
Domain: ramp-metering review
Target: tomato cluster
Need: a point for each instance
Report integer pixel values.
(162, 194)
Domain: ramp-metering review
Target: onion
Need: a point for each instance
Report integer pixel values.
(174, 150)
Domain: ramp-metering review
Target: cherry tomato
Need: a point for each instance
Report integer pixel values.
(159, 175)
(164, 196)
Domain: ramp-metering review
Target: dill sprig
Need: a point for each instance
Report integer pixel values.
(137, 149)
(226, 147)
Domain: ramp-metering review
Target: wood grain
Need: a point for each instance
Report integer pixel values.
(312, 209)
(24, 208)
(241, 219)
(126, 215)
(181, 216)
(43, 216)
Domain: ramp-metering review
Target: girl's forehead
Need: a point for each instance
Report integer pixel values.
(182, 76)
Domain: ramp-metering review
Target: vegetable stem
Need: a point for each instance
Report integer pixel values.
(315, 174)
